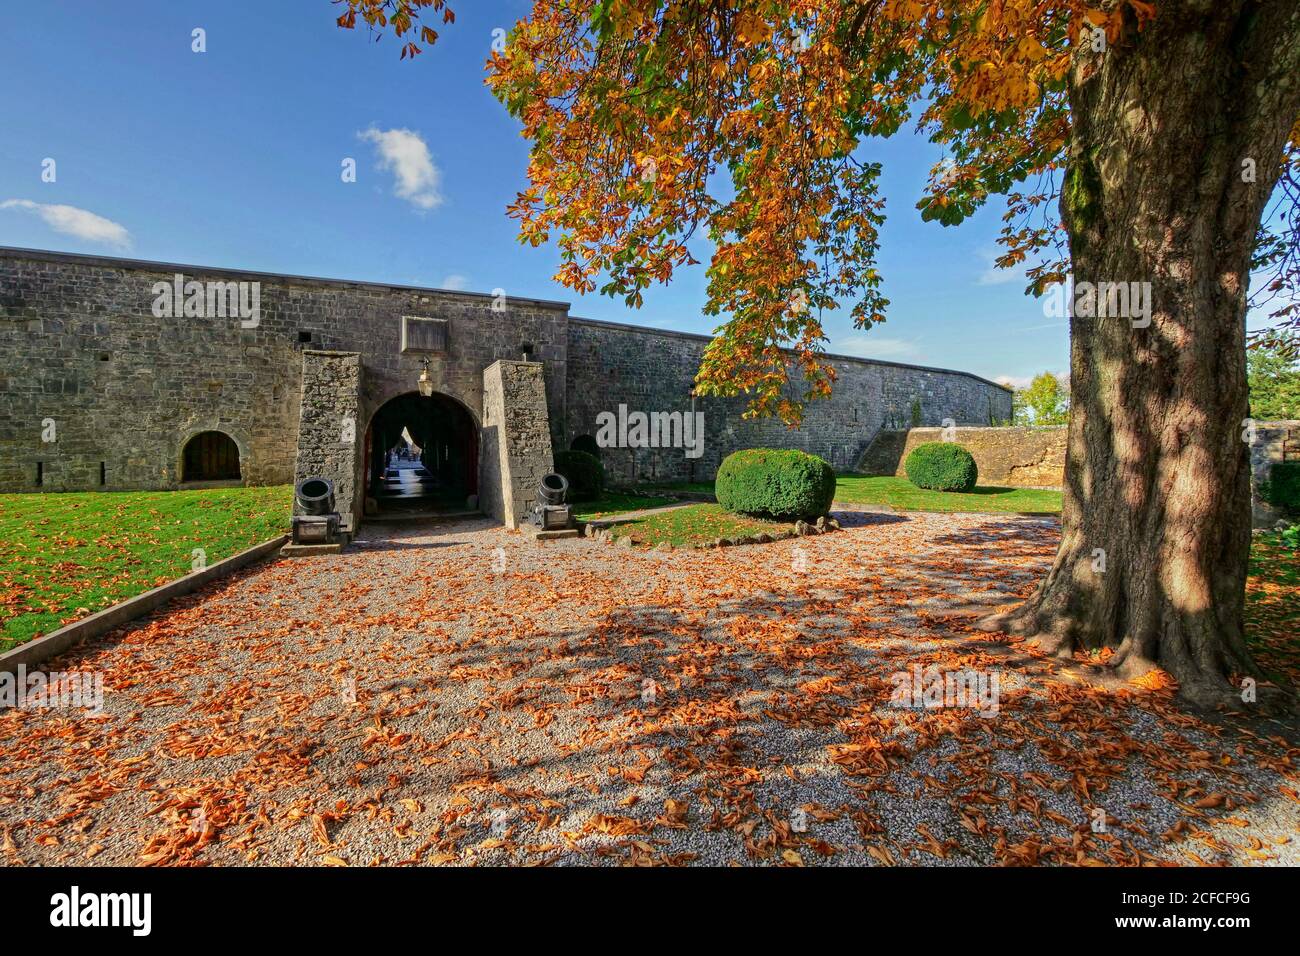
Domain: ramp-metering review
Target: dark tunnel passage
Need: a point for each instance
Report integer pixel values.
(422, 454)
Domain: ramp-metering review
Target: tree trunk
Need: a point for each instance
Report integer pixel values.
(1156, 519)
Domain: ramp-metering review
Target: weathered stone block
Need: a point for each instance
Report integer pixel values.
(328, 438)
(516, 439)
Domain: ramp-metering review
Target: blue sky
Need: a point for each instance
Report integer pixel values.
(233, 157)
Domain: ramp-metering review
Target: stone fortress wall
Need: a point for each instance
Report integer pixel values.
(79, 344)
(1275, 442)
(654, 370)
(1019, 456)
(81, 348)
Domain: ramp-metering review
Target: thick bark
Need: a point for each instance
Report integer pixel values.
(1157, 473)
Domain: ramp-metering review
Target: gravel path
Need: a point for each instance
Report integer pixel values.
(452, 693)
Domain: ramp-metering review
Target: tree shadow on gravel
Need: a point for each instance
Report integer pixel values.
(706, 741)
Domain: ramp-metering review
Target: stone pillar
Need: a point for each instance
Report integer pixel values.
(1275, 442)
(330, 433)
(516, 447)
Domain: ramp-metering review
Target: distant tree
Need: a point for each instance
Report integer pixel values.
(1273, 377)
(1019, 410)
(1045, 401)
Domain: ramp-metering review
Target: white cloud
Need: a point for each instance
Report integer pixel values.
(72, 221)
(865, 345)
(403, 153)
(1014, 381)
(454, 283)
(1022, 381)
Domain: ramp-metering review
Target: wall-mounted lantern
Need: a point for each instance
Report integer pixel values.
(426, 383)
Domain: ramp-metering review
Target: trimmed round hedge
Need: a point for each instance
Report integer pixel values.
(776, 483)
(941, 466)
(585, 473)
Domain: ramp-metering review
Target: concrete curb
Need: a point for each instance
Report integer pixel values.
(56, 642)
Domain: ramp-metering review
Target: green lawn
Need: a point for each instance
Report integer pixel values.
(902, 494)
(693, 524)
(64, 556)
(1273, 606)
(673, 487)
(616, 502)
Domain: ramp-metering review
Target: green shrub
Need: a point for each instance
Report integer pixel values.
(586, 443)
(941, 466)
(775, 483)
(1282, 490)
(585, 473)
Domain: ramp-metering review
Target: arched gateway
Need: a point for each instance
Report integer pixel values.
(424, 450)
(421, 454)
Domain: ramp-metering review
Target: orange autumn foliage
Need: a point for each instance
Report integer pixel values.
(664, 128)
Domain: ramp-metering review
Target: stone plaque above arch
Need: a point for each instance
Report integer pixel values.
(423, 334)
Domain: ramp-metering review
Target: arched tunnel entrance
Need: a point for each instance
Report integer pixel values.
(422, 454)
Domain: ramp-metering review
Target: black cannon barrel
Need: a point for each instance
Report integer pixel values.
(553, 488)
(315, 496)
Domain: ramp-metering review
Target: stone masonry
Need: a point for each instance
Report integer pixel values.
(1035, 457)
(328, 442)
(1275, 442)
(653, 370)
(1015, 456)
(517, 448)
(81, 347)
(79, 344)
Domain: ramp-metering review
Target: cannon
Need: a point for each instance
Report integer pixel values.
(319, 522)
(553, 488)
(315, 496)
(551, 513)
